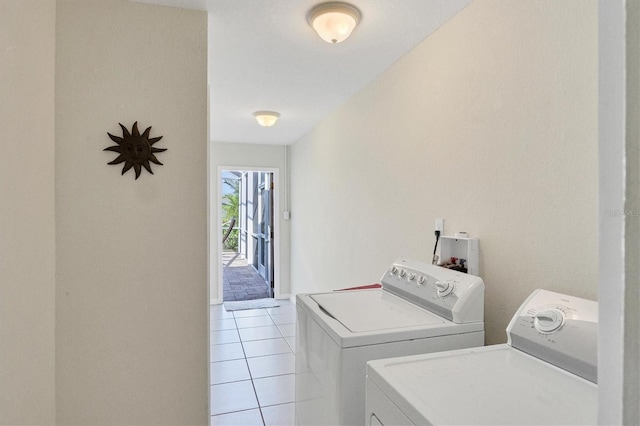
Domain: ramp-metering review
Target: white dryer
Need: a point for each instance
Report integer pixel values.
(420, 308)
(545, 374)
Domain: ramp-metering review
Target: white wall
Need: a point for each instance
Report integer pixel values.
(490, 123)
(131, 296)
(619, 233)
(248, 156)
(632, 231)
(27, 207)
(631, 413)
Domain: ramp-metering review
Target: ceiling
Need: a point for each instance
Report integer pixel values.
(263, 55)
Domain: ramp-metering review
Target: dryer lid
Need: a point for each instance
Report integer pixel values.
(489, 385)
(374, 310)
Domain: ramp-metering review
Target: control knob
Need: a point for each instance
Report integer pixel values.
(421, 280)
(393, 270)
(411, 276)
(548, 320)
(402, 273)
(444, 288)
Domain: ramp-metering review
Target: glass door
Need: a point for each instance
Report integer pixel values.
(265, 228)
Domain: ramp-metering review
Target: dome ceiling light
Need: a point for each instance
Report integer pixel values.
(266, 118)
(334, 21)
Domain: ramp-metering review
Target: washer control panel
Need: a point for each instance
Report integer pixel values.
(451, 294)
(559, 329)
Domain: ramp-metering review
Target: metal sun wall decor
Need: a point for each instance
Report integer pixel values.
(135, 149)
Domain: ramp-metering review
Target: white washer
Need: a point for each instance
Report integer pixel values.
(545, 374)
(421, 308)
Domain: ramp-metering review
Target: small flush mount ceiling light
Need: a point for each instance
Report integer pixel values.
(266, 118)
(334, 21)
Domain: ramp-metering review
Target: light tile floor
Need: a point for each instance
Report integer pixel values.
(252, 366)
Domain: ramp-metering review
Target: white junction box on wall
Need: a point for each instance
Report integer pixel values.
(460, 253)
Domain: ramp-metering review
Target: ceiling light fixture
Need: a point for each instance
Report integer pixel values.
(266, 118)
(334, 21)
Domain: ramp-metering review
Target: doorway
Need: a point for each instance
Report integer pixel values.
(247, 237)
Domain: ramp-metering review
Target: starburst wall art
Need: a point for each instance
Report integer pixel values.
(136, 150)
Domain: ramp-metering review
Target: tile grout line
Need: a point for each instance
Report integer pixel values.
(253, 385)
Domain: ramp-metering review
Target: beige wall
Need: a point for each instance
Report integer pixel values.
(27, 206)
(131, 296)
(249, 156)
(491, 124)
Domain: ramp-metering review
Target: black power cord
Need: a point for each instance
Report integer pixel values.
(434, 260)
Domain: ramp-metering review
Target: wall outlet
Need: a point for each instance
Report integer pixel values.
(440, 226)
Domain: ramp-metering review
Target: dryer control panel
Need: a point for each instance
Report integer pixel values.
(457, 296)
(559, 329)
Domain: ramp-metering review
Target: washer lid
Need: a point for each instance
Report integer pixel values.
(363, 311)
(491, 385)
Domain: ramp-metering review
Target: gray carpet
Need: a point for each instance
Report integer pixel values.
(250, 304)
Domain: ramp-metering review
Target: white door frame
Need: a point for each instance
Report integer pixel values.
(276, 224)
